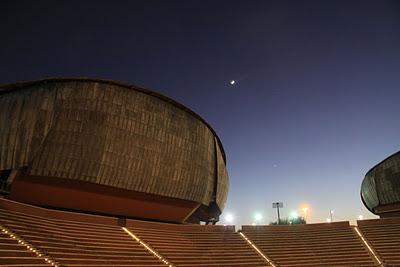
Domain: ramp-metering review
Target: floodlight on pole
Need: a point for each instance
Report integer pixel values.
(277, 205)
(258, 217)
(330, 215)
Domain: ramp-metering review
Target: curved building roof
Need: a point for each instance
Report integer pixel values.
(380, 189)
(24, 84)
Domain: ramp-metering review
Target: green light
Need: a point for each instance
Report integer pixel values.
(258, 217)
(294, 215)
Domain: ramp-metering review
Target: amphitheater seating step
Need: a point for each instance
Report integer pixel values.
(74, 243)
(327, 244)
(383, 235)
(14, 254)
(74, 239)
(196, 245)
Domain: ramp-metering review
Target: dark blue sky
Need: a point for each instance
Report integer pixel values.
(316, 103)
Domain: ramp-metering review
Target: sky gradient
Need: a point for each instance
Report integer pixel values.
(316, 99)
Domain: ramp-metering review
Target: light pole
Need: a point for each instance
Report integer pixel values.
(277, 205)
(305, 209)
(330, 214)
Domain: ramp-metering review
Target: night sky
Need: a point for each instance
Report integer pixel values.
(316, 99)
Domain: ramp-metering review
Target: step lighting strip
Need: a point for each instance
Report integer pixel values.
(21, 241)
(256, 249)
(152, 251)
(368, 246)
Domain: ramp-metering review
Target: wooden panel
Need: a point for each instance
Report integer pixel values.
(25, 120)
(223, 181)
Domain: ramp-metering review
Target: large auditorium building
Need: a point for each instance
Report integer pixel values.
(109, 148)
(100, 173)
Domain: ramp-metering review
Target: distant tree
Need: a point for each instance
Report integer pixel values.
(299, 220)
(286, 221)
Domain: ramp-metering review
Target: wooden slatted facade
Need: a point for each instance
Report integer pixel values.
(380, 189)
(109, 138)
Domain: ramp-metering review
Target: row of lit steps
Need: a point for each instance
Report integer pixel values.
(73, 243)
(12, 253)
(198, 245)
(384, 237)
(32, 236)
(327, 244)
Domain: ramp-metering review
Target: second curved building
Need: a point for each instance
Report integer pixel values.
(380, 189)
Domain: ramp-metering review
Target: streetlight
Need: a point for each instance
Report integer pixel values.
(360, 217)
(305, 209)
(330, 214)
(277, 205)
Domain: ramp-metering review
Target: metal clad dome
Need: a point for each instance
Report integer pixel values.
(81, 133)
(380, 189)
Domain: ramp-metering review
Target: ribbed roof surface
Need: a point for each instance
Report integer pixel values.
(25, 84)
(381, 185)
